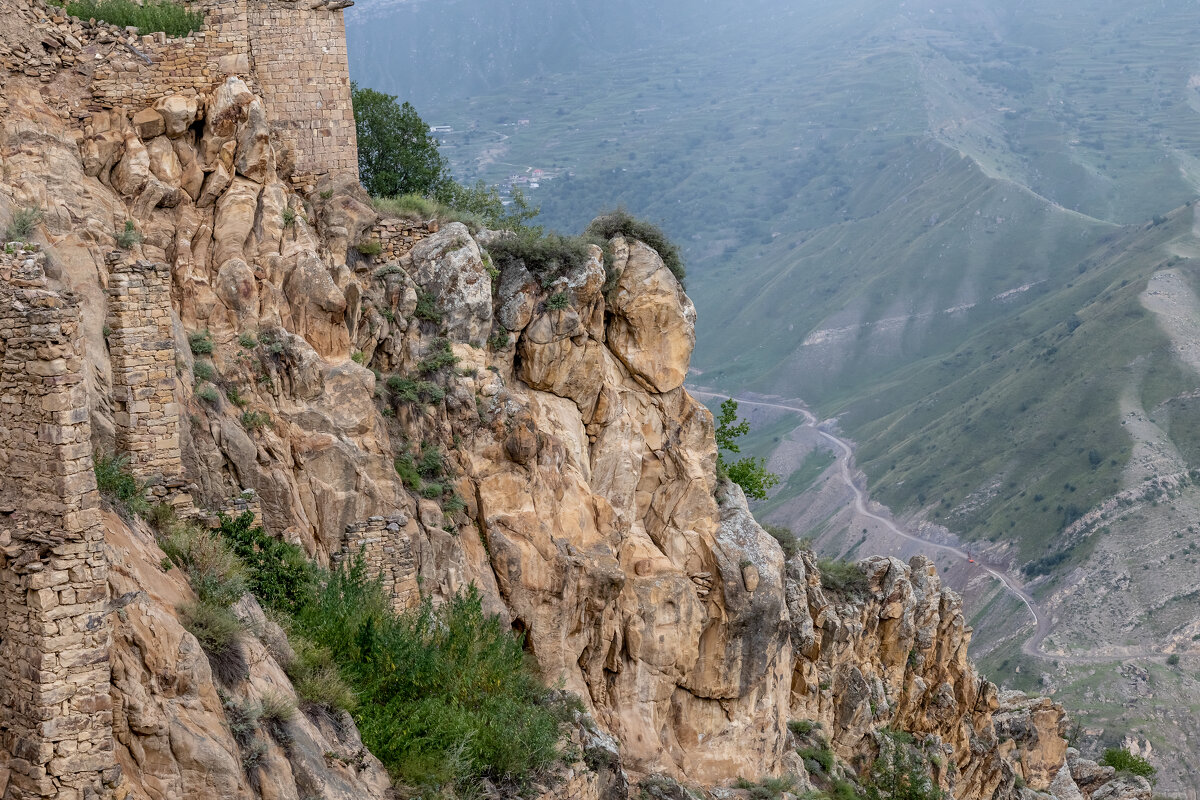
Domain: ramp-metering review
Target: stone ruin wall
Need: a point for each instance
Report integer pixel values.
(55, 704)
(292, 51)
(387, 552)
(396, 237)
(142, 352)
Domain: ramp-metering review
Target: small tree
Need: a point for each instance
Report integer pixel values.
(749, 473)
(396, 153)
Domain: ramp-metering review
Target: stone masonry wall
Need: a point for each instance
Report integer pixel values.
(293, 52)
(387, 551)
(299, 58)
(396, 237)
(55, 707)
(142, 352)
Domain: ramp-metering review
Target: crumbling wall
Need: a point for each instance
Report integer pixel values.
(142, 352)
(55, 705)
(387, 552)
(396, 237)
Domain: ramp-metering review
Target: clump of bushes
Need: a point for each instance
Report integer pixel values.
(767, 788)
(427, 308)
(842, 577)
(201, 343)
(1124, 761)
(117, 485)
(438, 357)
(787, 540)
(621, 222)
(546, 256)
(164, 16)
(408, 390)
(254, 421)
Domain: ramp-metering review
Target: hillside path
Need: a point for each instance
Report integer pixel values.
(1033, 645)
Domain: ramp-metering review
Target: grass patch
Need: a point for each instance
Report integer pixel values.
(255, 421)
(164, 16)
(408, 390)
(220, 634)
(129, 237)
(438, 357)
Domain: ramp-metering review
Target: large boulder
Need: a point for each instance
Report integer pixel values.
(652, 327)
(448, 266)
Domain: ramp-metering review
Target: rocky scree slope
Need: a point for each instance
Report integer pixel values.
(576, 483)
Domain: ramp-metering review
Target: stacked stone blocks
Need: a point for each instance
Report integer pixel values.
(397, 237)
(292, 53)
(387, 553)
(55, 704)
(142, 351)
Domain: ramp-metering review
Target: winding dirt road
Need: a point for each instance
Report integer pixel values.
(1033, 645)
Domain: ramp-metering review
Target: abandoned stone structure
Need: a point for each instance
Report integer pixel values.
(387, 551)
(55, 705)
(293, 53)
(142, 352)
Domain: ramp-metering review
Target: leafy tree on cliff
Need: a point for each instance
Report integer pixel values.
(750, 473)
(396, 153)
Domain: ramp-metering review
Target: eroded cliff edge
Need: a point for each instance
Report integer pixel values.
(576, 485)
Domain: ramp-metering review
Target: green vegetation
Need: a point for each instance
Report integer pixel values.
(842, 577)
(369, 247)
(408, 390)
(558, 301)
(396, 153)
(749, 473)
(546, 256)
(117, 485)
(150, 17)
(427, 307)
(208, 393)
(621, 222)
(1124, 761)
(901, 772)
(24, 223)
(255, 421)
(247, 341)
(202, 370)
(787, 540)
(438, 357)
(128, 237)
(201, 343)
(767, 788)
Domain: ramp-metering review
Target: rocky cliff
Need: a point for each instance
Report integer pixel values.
(300, 355)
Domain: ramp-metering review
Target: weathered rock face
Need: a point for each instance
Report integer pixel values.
(588, 512)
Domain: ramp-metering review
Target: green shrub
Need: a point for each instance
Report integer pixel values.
(619, 221)
(822, 757)
(214, 571)
(445, 697)
(1173, 660)
(316, 678)
(219, 633)
(128, 237)
(278, 573)
(842, 577)
(164, 16)
(546, 256)
(900, 772)
(24, 223)
(234, 396)
(787, 540)
(438, 357)
(289, 218)
(499, 340)
(358, 357)
(202, 370)
(247, 341)
(407, 390)
(201, 343)
(558, 301)
(117, 485)
(432, 491)
(767, 788)
(369, 247)
(406, 468)
(208, 393)
(803, 727)
(1124, 761)
(427, 307)
(254, 421)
